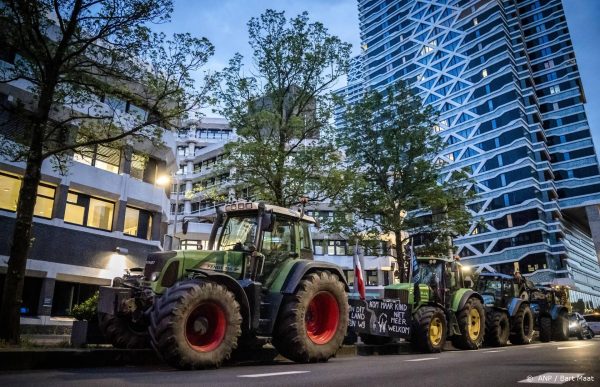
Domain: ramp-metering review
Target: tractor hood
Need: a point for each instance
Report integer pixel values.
(229, 262)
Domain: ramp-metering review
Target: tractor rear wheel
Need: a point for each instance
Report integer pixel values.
(195, 324)
(560, 327)
(545, 329)
(471, 323)
(123, 333)
(497, 328)
(522, 326)
(312, 322)
(429, 329)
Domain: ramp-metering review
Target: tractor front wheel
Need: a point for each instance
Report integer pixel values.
(312, 322)
(429, 329)
(560, 327)
(195, 324)
(123, 333)
(522, 327)
(497, 328)
(545, 329)
(471, 323)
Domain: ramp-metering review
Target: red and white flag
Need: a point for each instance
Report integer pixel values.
(359, 282)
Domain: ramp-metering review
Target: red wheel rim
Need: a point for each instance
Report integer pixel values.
(322, 318)
(205, 327)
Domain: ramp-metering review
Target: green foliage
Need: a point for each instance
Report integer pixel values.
(282, 110)
(87, 310)
(397, 188)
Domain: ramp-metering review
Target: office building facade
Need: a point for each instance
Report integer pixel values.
(503, 75)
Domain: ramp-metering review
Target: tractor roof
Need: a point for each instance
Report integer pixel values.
(442, 259)
(253, 206)
(499, 275)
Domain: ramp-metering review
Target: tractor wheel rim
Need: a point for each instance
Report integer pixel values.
(435, 331)
(474, 321)
(322, 318)
(205, 327)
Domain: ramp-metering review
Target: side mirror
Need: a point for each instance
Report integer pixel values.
(268, 221)
(184, 226)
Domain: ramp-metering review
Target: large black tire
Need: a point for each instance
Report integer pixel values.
(497, 328)
(124, 333)
(471, 323)
(312, 322)
(374, 340)
(560, 327)
(195, 324)
(429, 330)
(522, 326)
(545, 329)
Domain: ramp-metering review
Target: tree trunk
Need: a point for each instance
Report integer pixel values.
(400, 258)
(19, 249)
(10, 324)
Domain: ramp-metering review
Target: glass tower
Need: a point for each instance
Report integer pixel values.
(503, 75)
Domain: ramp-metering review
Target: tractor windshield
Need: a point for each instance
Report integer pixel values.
(429, 273)
(489, 286)
(239, 233)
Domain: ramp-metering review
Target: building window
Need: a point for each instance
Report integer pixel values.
(349, 274)
(138, 166)
(89, 211)
(371, 278)
(484, 73)
(68, 294)
(336, 248)
(138, 223)
(192, 245)
(9, 195)
(99, 156)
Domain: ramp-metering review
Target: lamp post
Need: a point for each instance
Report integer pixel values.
(164, 181)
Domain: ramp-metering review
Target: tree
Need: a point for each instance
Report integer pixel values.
(281, 110)
(70, 53)
(397, 188)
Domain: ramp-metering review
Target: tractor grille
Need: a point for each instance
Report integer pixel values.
(396, 294)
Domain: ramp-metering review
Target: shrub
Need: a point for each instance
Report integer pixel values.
(87, 310)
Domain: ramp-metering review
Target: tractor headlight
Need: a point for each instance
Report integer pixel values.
(154, 276)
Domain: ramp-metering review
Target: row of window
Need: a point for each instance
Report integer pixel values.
(81, 209)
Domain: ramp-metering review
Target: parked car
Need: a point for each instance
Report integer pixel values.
(593, 321)
(578, 327)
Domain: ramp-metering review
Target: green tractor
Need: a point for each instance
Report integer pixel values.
(436, 305)
(256, 283)
(508, 315)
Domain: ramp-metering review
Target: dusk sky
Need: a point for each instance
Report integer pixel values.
(223, 22)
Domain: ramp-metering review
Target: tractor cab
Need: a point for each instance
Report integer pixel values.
(441, 275)
(265, 235)
(496, 288)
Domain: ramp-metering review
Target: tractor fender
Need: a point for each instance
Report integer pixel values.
(233, 286)
(300, 268)
(460, 298)
(556, 310)
(514, 305)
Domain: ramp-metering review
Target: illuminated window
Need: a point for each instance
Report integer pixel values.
(484, 73)
(475, 22)
(138, 223)
(9, 195)
(99, 156)
(89, 211)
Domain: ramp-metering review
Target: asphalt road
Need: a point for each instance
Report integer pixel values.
(548, 363)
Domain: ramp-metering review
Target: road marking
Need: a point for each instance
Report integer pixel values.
(552, 378)
(533, 346)
(575, 346)
(494, 351)
(272, 374)
(423, 359)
